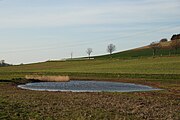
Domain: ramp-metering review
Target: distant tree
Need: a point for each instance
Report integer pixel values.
(164, 40)
(155, 46)
(175, 37)
(89, 51)
(175, 44)
(111, 48)
(3, 64)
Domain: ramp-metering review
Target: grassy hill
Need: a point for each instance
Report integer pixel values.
(136, 63)
(145, 51)
(160, 67)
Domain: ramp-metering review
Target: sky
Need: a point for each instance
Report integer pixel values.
(40, 30)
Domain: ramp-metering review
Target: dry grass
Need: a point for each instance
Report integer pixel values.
(48, 78)
(163, 45)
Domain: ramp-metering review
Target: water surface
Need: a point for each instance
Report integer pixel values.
(86, 86)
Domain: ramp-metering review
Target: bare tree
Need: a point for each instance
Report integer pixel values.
(155, 46)
(111, 48)
(89, 51)
(175, 44)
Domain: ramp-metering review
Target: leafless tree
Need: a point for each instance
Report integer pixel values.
(89, 51)
(175, 44)
(155, 46)
(111, 48)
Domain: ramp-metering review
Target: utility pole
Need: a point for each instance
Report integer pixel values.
(71, 55)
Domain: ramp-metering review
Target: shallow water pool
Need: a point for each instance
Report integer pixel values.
(86, 86)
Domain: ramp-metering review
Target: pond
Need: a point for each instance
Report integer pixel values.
(86, 86)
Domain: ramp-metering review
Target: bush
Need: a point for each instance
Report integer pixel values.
(164, 40)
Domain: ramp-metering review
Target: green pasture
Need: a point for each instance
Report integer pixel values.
(149, 67)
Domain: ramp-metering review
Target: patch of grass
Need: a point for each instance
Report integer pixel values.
(12, 110)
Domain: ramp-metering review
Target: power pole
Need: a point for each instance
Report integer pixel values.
(71, 55)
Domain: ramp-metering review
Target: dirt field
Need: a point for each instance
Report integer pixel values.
(23, 104)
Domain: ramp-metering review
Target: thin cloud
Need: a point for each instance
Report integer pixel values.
(116, 13)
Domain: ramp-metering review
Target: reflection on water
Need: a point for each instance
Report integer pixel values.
(86, 86)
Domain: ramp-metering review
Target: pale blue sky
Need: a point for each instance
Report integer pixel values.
(39, 30)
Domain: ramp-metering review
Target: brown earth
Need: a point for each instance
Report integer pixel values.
(25, 104)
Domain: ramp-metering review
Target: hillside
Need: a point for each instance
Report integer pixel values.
(135, 63)
(145, 51)
(160, 67)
